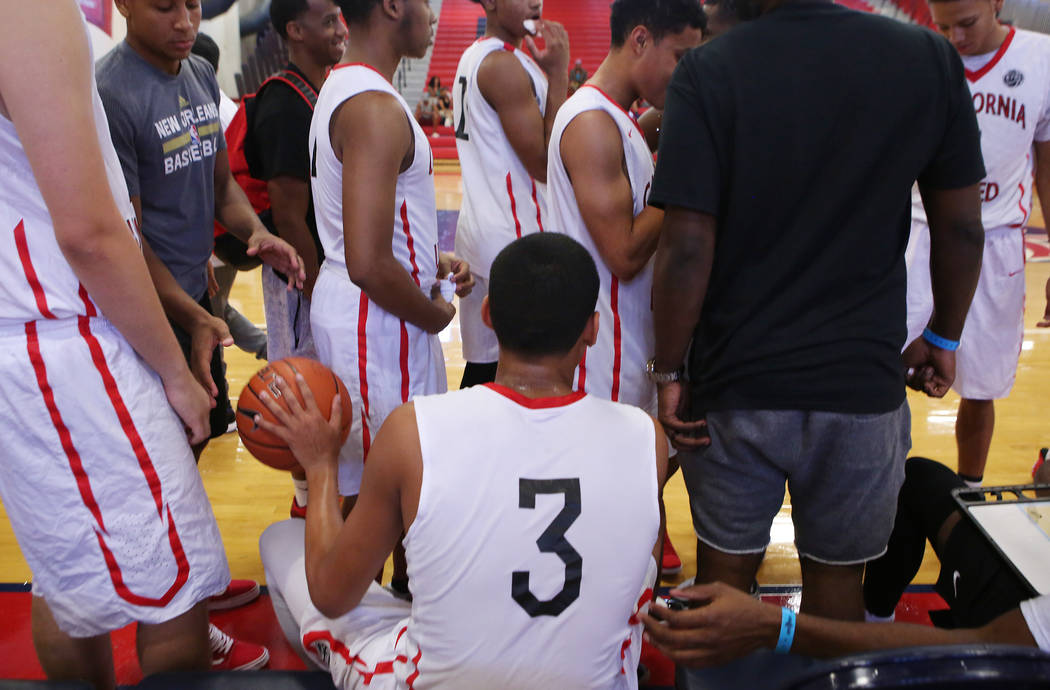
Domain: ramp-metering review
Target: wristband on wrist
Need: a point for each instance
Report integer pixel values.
(937, 341)
(787, 631)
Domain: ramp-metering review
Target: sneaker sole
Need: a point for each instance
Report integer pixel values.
(670, 571)
(255, 664)
(233, 602)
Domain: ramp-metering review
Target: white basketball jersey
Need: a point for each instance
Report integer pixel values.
(1011, 94)
(38, 281)
(415, 208)
(530, 555)
(501, 201)
(614, 368)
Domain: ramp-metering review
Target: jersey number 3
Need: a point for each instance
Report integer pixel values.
(551, 541)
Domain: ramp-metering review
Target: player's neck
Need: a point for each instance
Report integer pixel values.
(995, 41)
(314, 72)
(375, 50)
(495, 30)
(161, 62)
(549, 377)
(613, 78)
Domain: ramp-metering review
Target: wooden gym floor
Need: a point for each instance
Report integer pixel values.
(248, 496)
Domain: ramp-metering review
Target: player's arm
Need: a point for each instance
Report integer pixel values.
(506, 86)
(1042, 189)
(290, 204)
(650, 122)
(729, 624)
(592, 152)
(71, 176)
(235, 212)
(372, 136)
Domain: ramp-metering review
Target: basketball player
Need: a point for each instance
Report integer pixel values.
(493, 607)
(377, 307)
(98, 479)
(1008, 71)
(278, 149)
(599, 171)
(504, 101)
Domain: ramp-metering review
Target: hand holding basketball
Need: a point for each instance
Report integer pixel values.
(312, 439)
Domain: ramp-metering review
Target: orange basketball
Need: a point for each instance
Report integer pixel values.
(324, 384)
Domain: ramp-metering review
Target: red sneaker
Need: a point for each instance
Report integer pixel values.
(228, 654)
(239, 593)
(297, 510)
(672, 564)
(1043, 454)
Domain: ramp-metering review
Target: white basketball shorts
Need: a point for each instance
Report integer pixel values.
(383, 361)
(365, 648)
(479, 341)
(99, 481)
(986, 361)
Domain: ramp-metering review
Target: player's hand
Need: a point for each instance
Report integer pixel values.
(213, 284)
(279, 255)
(207, 334)
(445, 311)
(674, 409)
(192, 403)
(725, 625)
(313, 440)
(460, 270)
(554, 58)
(929, 368)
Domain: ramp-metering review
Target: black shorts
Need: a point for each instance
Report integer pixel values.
(975, 581)
(221, 415)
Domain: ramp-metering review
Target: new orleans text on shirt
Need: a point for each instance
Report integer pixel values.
(188, 136)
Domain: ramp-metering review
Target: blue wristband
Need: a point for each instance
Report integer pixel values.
(937, 341)
(787, 631)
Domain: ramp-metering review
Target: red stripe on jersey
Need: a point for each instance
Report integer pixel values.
(508, 47)
(615, 305)
(974, 76)
(362, 64)
(89, 306)
(356, 662)
(618, 106)
(362, 370)
(30, 272)
(411, 680)
(536, 203)
(536, 403)
(410, 242)
(581, 377)
(76, 465)
(647, 596)
(513, 206)
(404, 363)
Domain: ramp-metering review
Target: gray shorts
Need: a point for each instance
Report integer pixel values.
(844, 472)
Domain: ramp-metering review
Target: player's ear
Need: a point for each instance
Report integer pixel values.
(294, 30)
(640, 37)
(122, 7)
(590, 331)
(486, 312)
(391, 8)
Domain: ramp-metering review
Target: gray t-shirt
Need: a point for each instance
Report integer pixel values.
(166, 132)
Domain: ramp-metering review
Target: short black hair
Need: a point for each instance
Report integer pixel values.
(206, 48)
(356, 10)
(284, 11)
(661, 17)
(542, 291)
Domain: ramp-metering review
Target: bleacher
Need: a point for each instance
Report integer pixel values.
(461, 23)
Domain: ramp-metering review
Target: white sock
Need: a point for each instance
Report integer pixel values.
(870, 617)
(974, 483)
(302, 493)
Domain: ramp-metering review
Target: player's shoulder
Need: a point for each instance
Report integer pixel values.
(1032, 44)
(201, 71)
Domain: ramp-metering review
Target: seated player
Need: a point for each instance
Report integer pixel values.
(98, 478)
(988, 602)
(531, 512)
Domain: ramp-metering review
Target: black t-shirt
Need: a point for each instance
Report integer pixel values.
(803, 132)
(279, 137)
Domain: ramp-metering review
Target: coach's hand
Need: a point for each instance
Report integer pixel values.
(554, 58)
(674, 408)
(725, 624)
(279, 255)
(192, 403)
(208, 333)
(929, 368)
(313, 440)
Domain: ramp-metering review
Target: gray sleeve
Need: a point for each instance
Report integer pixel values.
(122, 130)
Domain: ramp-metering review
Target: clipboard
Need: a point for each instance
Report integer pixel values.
(1017, 524)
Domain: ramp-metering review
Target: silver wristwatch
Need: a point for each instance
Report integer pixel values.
(662, 376)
